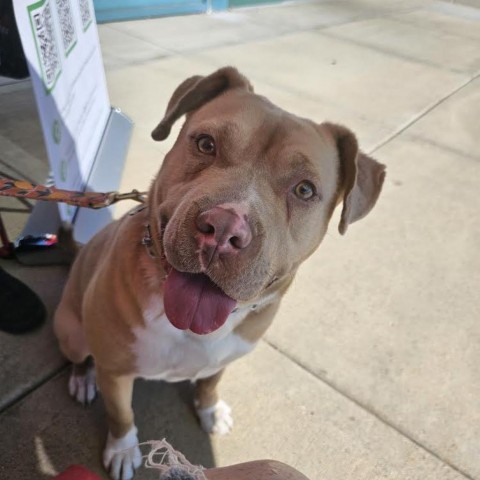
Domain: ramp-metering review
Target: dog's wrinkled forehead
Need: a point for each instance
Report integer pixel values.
(243, 122)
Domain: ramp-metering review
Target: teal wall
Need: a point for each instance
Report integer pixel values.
(116, 10)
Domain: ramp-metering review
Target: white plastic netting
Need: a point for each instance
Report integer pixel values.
(171, 464)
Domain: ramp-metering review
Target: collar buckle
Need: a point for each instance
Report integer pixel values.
(148, 242)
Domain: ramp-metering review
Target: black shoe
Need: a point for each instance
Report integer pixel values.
(12, 58)
(21, 310)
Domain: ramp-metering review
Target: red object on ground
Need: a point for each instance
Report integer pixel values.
(77, 472)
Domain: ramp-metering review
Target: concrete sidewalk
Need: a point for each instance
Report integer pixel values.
(372, 368)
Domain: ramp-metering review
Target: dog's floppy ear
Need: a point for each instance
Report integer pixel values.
(196, 91)
(362, 176)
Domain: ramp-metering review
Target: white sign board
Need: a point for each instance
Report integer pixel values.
(60, 42)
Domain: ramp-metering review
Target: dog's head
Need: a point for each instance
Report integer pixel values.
(246, 194)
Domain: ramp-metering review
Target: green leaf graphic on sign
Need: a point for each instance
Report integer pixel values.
(63, 170)
(56, 132)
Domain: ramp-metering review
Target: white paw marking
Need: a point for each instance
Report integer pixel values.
(83, 387)
(216, 419)
(122, 456)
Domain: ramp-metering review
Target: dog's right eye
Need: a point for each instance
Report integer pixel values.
(206, 145)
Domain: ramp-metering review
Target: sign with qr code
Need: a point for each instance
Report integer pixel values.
(60, 42)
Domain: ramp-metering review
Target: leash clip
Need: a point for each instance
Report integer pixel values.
(133, 195)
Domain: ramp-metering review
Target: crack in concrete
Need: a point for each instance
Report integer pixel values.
(423, 113)
(370, 410)
(32, 388)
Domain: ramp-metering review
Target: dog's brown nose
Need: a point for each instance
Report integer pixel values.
(225, 230)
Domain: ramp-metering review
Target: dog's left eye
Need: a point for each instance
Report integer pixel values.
(206, 145)
(304, 190)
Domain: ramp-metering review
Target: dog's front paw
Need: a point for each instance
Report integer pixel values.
(122, 456)
(216, 419)
(82, 385)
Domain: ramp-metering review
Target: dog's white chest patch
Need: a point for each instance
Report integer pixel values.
(165, 353)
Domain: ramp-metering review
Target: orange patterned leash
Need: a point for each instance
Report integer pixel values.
(24, 189)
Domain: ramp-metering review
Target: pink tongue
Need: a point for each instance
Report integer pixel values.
(193, 301)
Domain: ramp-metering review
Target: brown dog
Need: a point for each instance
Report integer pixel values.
(179, 289)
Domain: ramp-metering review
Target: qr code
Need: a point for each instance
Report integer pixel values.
(66, 25)
(85, 13)
(43, 27)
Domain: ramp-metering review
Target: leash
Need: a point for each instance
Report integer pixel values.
(23, 189)
(33, 191)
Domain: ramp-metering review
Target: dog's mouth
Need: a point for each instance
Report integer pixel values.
(192, 301)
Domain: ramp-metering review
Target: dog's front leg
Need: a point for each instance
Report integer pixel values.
(214, 414)
(121, 455)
